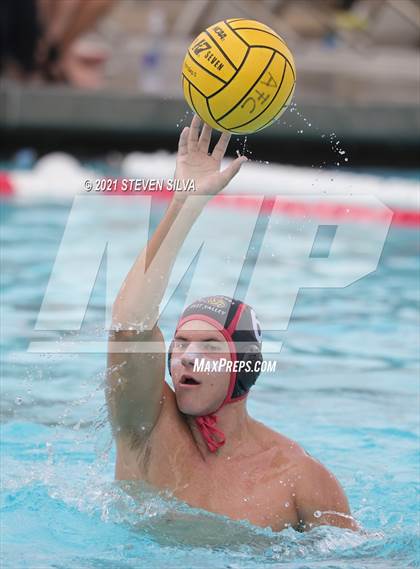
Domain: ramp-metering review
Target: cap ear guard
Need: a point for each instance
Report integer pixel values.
(246, 379)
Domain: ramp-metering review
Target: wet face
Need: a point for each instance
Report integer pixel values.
(199, 392)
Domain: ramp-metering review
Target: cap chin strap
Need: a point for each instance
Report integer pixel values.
(214, 437)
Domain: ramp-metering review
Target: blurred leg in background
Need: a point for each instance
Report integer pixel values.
(61, 56)
(20, 31)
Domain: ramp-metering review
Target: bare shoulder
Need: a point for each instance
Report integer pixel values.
(317, 494)
(310, 470)
(284, 449)
(315, 476)
(320, 498)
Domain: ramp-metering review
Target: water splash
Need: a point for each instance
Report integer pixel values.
(335, 144)
(184, 118)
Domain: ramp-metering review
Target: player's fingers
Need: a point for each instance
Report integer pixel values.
(205, 137)
(194, 132)
(222, 144)
(231, 170)
(183, 141)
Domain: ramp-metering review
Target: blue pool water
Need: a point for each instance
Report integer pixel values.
(346, 389)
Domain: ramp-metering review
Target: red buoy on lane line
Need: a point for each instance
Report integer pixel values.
(6, 185)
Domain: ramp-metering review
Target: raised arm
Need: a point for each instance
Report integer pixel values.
(135, 378)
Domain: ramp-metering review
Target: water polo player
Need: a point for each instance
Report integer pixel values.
(198, 440)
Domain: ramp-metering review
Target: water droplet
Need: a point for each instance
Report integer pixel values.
(317, 514)
(346, 159)
(18, 400)
(286, 504)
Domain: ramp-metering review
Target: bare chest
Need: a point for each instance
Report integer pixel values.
(251, 490)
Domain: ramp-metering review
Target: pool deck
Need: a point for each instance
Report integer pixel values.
(344, 92)
(67, 109)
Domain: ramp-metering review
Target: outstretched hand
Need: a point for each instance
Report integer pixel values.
(195, 163)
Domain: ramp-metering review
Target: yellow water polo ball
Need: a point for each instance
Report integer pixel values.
(238, 76)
